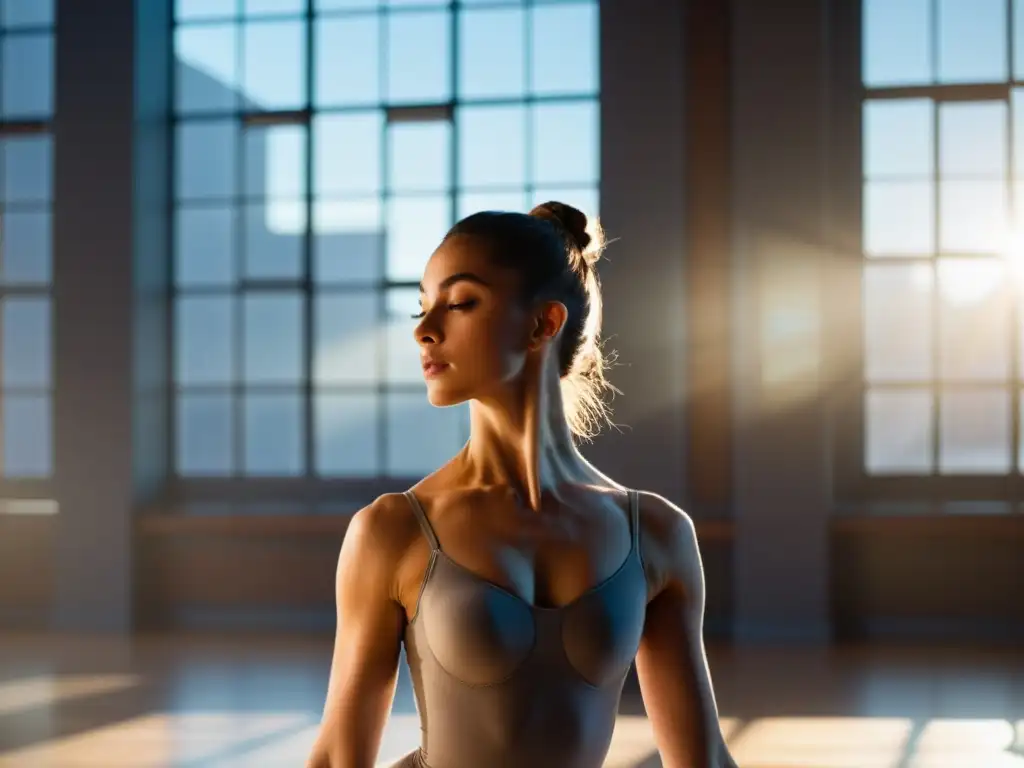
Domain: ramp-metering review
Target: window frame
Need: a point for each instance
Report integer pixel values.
(308, 483)
(852, 483)
(18, 488)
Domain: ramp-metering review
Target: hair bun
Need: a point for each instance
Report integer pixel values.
(571, 220)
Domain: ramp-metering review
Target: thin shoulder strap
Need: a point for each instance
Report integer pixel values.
(421, 517)
(634, 519)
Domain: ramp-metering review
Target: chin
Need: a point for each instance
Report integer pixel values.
(442, 397)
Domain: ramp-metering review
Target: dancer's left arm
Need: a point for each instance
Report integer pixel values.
(671, 662)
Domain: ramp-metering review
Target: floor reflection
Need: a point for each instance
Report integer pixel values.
(207, 703)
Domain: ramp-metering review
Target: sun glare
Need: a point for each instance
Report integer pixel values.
(1013, 254)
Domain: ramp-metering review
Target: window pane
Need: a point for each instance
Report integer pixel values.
(975, 433)
(899, 428)
(26, 342)
(337, 5)
(26, 13)
(416, 226)
(492, 146)
(1017, 116)
(899, 218)
(897, 46)
(566, 143)
(898, 138)
(189, 10)
(204, 340)
(274, 80)
(274, 235)
(974, 319)
(347, 153)
(348, 241)
(206, 69)
(403, 354)
(1020, 445)
(564, 43)
(347, 338)
(25, 243)
(204, 246)
(1014, 248)
(1018, 39)
(206, 159)
(269, 7)
(472, 202)
(972, 41)
(973, 139)
(1020, 336)
(897, 322)
(273, 338)
(205, 427)
(973, 216)
(27, 169)
(275, 161)
(419, 157)
(27, 68)
(420, 437)
(584, 198)
(273, 435)
(492, 46)
(347, 435)
(27, 435)
(347, 60)
(419, 52)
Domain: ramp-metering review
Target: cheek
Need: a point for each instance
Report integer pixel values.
(492, 348)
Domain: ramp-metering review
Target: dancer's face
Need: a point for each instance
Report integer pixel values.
(473, 323)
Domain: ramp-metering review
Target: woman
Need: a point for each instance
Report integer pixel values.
(522, 581)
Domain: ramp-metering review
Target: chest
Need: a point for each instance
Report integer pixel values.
(545, 561)
(481, 633)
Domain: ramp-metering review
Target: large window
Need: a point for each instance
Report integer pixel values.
(26, 201)
(323, 147)
(943, 160)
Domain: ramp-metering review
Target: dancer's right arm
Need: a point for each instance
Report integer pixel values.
(368, 640)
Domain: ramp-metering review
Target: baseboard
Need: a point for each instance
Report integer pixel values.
(781, 633)
(268, 619)
(25, 618)
(717, 628)
(937, 630)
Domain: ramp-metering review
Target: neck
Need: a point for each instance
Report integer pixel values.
(519, 437)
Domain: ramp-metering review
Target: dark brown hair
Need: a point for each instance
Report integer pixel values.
(555, 248)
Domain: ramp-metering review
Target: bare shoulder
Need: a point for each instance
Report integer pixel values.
(379, 537)
(668, 545)
(384, 525)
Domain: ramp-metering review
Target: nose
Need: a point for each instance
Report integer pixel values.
(426, 333)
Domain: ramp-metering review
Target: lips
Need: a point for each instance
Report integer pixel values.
(432, 367)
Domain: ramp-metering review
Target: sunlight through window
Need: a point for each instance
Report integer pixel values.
(943, 155)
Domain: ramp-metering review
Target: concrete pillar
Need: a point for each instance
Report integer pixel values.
(782, 492)
(110, 250)
(642, 180)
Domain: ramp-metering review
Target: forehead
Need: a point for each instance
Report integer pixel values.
(460, 253)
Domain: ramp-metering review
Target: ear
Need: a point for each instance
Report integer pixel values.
(548, 321)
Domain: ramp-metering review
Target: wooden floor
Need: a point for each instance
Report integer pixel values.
(194, 702)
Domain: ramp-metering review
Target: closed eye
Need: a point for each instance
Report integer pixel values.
(456, 307)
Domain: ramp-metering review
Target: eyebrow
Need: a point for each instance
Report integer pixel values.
(459, 277)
